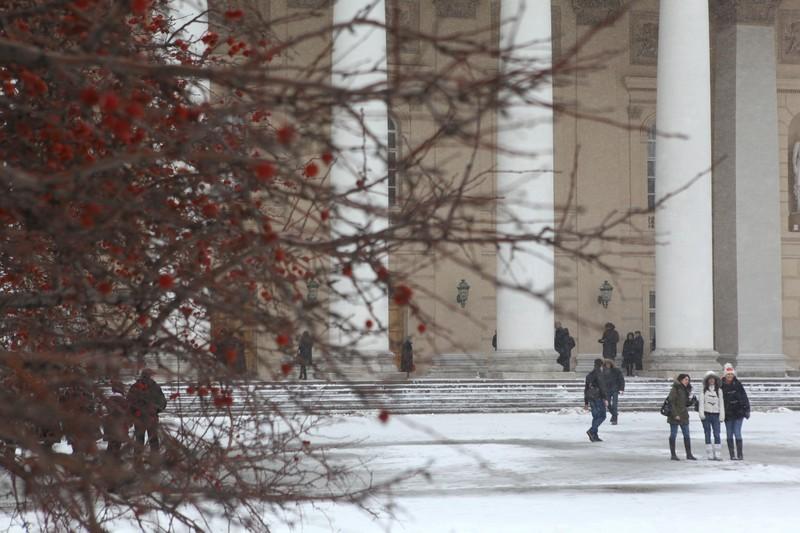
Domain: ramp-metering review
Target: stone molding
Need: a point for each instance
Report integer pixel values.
(458, 9)
(756, 12)
(307, 4)
(789, 36)
(644, 37)
(591, 12)
(407, 12)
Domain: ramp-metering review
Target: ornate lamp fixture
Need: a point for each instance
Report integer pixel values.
(313, 290)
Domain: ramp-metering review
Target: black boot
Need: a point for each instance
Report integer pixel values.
(687, 445)
(730, 449)
(739, 453)
(673, 455)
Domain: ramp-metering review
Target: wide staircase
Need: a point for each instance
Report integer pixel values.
(445, 396)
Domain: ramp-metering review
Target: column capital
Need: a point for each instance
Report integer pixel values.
(592, 12)
(755, 12)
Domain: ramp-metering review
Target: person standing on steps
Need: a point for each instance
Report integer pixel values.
(639, 345)
(407, 358)
(595, 398)
(712, 409)
(737, 408)
(629, 354)
(304, 354)
(609, 341)
(615, 385)
(679, 415)
(565, 355)
(494, 341)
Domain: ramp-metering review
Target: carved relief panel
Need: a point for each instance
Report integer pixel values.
(789, 36)
(644, 37)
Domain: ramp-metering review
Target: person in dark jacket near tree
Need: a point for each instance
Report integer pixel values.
(146, 400)
(565, 355)
(609, 341)
(595, 398)
(639, 344)
(304, 354)
(407, 357)
(117, 420)
(629, 354)
(679, 400)
(615, 385)
(737, 408)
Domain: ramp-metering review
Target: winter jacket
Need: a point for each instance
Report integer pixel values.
(407, 357)
(711, 401)
(736, 403)
(565, 353)
(629, 351)
(610, 339)
(614, 380)
(145, 398)
(559, 340)
(595, 387)
(679, 400)
(304, 351)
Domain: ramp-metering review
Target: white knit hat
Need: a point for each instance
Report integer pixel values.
(728, 369)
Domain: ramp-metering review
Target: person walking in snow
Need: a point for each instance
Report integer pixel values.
(679, 400)
(565, 355)
(712, 410)
(145, 401)
(737, 408)
(615, 385)
(595, 397)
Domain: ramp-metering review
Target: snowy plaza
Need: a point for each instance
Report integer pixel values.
(539, 473)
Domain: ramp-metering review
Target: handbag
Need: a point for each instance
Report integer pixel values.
(666, 407)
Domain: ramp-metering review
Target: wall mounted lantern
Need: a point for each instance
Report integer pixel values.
(605, 294)
(463, 293)
(313, 290)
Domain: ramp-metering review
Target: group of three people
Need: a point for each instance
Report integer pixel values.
(720, 400)
(632, 348)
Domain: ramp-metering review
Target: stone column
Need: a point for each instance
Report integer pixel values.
(747, 229)
(684, 277)
(359, 134)
(525, 189)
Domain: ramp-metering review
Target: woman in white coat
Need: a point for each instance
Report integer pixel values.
(712, 410)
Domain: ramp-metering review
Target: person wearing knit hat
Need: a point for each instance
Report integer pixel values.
(737, 408)
(712, 410)
(595, 397)
(679, 415)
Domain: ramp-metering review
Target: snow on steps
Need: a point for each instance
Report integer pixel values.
(455, 396)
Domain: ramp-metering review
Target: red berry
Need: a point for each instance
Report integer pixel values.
(421, 328)
(383, 416)
(165, 281)
(311, 170)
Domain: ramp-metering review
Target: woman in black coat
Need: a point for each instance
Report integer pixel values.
(737, 408)
(629, 354)
(407, 357)
(609, 341)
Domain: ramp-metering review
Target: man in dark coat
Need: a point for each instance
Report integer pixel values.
(494, 341)
(565, 350)
(558, 339)
(615, 385)
(304, 354)
(117, 420)
(146, 400)
(609, 341)
(638, 343)
(407, 357)
(595, 398)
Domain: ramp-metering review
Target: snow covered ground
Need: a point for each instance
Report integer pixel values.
(539, 473)
(510, 473)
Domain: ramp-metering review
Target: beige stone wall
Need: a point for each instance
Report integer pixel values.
(610, 177)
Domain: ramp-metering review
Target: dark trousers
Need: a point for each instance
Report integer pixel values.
(613, 405)
(629, 368)
(598, 409)
(148, 424)
(303, 372)
(711, 424)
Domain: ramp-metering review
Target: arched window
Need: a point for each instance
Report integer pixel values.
(651, 167)
(391, 161)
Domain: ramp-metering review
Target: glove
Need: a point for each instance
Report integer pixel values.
(747, 415)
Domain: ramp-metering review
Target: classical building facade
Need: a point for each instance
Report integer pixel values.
(713, 273)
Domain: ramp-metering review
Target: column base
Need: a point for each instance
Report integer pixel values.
(362, 366)
(523, 364)
(669, 363)
(749, 364)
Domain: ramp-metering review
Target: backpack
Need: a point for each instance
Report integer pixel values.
(666, 407)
